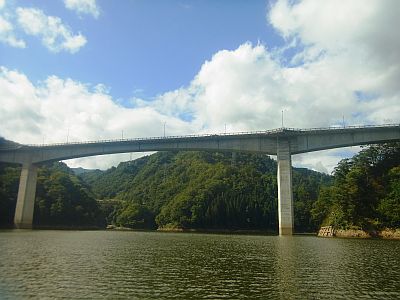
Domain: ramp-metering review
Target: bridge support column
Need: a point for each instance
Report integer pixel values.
(233, 161)
(26, 197)
(285, 194)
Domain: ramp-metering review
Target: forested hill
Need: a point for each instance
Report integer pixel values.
(206, 190)
(62, 199)
(366, 191)
(202, 190)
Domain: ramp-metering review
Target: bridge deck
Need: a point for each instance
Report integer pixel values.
(300, 141)
(272, 132)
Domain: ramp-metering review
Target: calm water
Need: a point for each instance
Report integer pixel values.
(143, 265)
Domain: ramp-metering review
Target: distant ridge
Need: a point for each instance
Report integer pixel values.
(6, 144)
(80, 170)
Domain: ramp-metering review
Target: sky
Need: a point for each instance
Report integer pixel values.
(78, 70)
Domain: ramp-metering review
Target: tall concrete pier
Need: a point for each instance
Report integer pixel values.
(285, 194)
(26, 197)
(283, 142)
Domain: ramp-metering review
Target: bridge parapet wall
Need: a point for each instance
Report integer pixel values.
(283, 142)
(248, 143)
(301, 141)
(315, 141)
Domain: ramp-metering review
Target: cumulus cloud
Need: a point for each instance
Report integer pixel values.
(59, 109)
(345, 65)
(7, 34)
(324, 161)
(247, 89)
(347, 39)
(83, 7)
(7, 30)
(55, 35)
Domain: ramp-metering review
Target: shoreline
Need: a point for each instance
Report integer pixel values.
(219, 231)
(324, 232)
(384, 234)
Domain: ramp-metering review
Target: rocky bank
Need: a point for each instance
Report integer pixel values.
(387, 233)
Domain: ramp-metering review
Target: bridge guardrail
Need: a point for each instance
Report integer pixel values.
(271, 131)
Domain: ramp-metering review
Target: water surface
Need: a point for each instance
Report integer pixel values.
(153, 265)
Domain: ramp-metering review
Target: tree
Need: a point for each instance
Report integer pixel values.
(366, 190)
(389, 207)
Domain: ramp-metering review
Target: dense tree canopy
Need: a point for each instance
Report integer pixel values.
(366, 191)
(62, 199)
(9, 181)
(208, 190)
(204, 190)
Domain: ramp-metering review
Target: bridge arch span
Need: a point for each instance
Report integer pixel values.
(282, 142)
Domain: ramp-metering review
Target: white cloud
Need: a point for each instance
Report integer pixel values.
(346, 64)
(247, 89)
(83, 7)
(57, 109)
(54, 34)
(323, 161)
(7, 34)
(340, 56)
(7, 30)
(349, 38)
(360, 50)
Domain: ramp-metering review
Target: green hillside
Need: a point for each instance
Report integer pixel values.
(207, 190)
(203, 190)
(62, 199)
(365, 193)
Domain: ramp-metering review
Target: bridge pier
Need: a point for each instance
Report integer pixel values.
(285, 193)
(233, 160)
(23, 217)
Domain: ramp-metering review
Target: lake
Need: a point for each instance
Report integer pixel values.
(152, 265)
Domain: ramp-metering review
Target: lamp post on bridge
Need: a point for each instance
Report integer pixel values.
(274, 142)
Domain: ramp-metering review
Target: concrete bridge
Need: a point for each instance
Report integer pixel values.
(283, 143)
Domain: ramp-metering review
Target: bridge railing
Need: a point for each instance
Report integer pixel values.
(172, 137)
(341, 127)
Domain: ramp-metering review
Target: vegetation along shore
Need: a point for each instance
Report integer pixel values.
(206, 191)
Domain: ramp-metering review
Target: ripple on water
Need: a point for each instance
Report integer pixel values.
(109, 264)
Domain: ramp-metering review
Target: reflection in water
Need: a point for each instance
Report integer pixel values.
(109, 264)
(285, 267)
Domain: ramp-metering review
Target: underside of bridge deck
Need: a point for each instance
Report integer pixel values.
(283, 142)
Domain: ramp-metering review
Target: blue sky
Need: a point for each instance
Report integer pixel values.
(144, 48)
(89, 69)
